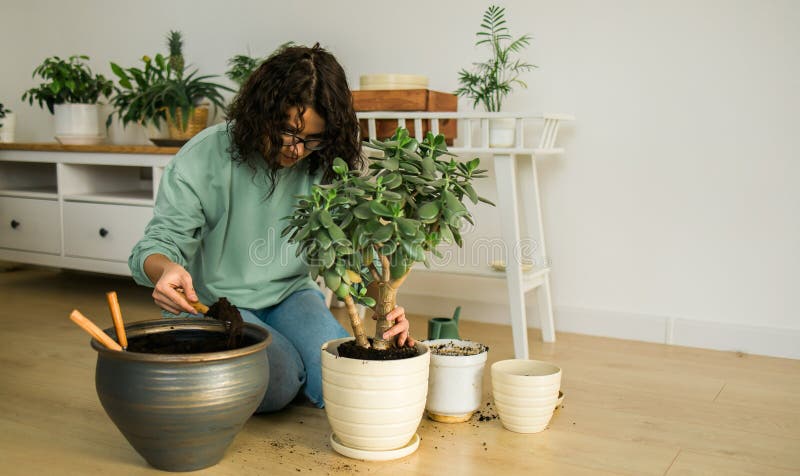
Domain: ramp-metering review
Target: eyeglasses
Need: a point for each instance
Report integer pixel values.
(291, 140)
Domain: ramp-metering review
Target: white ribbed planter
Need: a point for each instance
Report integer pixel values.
(78, 124)
(374, 407)
(455, 385)
(525, 393)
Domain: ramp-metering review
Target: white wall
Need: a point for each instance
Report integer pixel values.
(673, 215)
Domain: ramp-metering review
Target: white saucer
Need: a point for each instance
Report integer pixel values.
(372, 455)
(81, 140)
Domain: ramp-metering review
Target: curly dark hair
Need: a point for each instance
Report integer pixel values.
(301, 77)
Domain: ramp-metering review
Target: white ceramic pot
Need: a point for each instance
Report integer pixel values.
(7, 131)
(501, 132)
(455, 384)
(525, 393)
(78, 124)
(374, 406)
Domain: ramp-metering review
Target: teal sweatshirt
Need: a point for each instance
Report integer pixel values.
(213, 217)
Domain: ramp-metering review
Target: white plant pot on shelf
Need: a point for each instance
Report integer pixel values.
(374, 406)
(78, 124)
(7, 131)
(455, 384)
(501, 132)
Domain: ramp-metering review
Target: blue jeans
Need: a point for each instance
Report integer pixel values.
(299, 325)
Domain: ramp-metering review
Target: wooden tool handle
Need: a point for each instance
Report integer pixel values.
(84, 323)
(116, 316)
(197, 305)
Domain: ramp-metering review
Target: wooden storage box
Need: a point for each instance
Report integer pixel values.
(416, 100)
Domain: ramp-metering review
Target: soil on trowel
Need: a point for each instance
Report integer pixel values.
(184, 342)
(351, 350)
(453, 349)
(226, 312)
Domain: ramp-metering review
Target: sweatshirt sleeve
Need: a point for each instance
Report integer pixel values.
(176, 227)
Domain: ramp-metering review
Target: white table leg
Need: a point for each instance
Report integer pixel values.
(509, 217)
(529, 184)
(546, 310)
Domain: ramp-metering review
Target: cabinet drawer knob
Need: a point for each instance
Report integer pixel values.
(14, 224)
(103, 232)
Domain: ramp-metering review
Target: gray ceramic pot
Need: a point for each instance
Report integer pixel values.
(181, 411)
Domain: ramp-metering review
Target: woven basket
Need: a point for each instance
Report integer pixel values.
(196, 123)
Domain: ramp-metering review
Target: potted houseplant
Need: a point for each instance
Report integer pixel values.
(491, 81)
(7, 122)
(186, 94)
(363, 233)
(166, 90)
(133, 99)
(240, 67)
(71, 93)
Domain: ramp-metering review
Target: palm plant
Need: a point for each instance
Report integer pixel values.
(67, 81)
(492, 80)
(363, 232)
(240, 67)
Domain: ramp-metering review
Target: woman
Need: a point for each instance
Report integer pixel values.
(216, 229)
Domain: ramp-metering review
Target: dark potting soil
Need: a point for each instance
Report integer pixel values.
(350, 350)
(226, 312)
(453, 349)
(184, 342)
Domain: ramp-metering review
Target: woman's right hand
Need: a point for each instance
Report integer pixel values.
(168, 278)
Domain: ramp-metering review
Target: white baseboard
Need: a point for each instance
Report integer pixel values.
(774, 342)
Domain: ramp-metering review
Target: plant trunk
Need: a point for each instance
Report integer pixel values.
(387, 297)
(355, 323)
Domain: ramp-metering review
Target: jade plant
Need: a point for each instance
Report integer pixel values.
(366, 229)
(492, 80)
(67, 81)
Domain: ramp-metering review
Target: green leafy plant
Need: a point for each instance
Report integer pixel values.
(163, 89)
(133, 100)
(3, 111)
(67, 81)
(363, 232)
(491, 81)
(240, 67)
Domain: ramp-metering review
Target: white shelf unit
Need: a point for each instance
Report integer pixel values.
(78, 210)
(520, 214)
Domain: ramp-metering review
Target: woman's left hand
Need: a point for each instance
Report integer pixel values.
(400, 328)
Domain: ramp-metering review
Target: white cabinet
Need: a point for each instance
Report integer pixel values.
(79, 207)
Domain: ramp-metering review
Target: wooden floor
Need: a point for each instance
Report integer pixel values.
(630, 407)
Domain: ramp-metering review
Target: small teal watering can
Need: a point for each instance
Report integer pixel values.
(444, 327)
